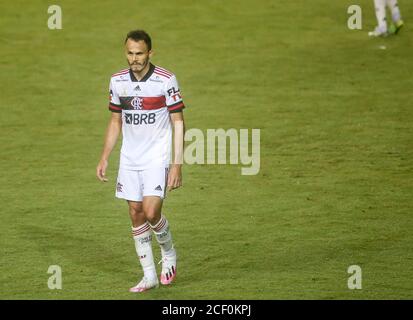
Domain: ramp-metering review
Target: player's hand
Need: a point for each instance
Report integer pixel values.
(101, 170)
(174, 177)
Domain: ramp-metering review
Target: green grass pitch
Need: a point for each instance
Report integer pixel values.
(335, 186)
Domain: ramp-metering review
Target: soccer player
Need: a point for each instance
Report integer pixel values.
(146, 103)
(382, 29)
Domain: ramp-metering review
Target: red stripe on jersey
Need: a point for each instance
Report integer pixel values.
(120, 72)
(163, 70)
(151, 103)
(162, 74)
(177, 106)
(113, 107)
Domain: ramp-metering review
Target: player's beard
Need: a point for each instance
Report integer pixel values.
(138, 67)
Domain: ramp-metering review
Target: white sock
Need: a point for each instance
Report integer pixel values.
(143, 245)
(380, 6)
(395, 11)
(163, 235)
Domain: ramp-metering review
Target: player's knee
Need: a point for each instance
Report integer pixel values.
(137, 214)
(152, 216)
(135, 210)
(137, 217)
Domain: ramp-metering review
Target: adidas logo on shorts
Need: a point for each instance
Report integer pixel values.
(158, 188)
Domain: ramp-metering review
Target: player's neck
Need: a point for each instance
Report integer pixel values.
(140, 75)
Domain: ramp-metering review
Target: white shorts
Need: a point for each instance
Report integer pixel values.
(135, 184)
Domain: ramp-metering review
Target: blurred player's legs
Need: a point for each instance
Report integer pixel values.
(396, 15)
(381, 29)
(160, 227)
(395, 11)
(143, 244)
(142, 236)
(148, 189)
(164, 238)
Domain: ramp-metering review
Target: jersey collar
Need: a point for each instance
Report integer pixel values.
(145, 77)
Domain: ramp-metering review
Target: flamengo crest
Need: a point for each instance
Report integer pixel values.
(137, 103)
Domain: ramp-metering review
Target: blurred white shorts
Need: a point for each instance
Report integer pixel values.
(135, 184)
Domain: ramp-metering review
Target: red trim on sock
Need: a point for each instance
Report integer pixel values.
(140, 230)
(160, 225)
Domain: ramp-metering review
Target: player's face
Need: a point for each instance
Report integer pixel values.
(137, 54)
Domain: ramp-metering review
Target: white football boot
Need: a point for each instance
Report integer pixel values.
(378, 32)
(399, 24)
(168, 273)
(145, 284)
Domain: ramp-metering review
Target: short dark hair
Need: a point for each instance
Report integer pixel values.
(138, 35)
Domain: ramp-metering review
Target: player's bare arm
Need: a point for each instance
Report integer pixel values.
(175, 170)
(112, 134)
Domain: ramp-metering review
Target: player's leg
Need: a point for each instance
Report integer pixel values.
(396, 15)
(136, 214)
(128, 187)
(381, 29)
(154, 192)
(141, 233)
(394, 8)
(152, 206)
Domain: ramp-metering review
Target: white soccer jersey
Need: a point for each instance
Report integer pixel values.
(145, 106)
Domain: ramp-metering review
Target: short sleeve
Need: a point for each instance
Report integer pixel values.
(114, 102)
(173, 96)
